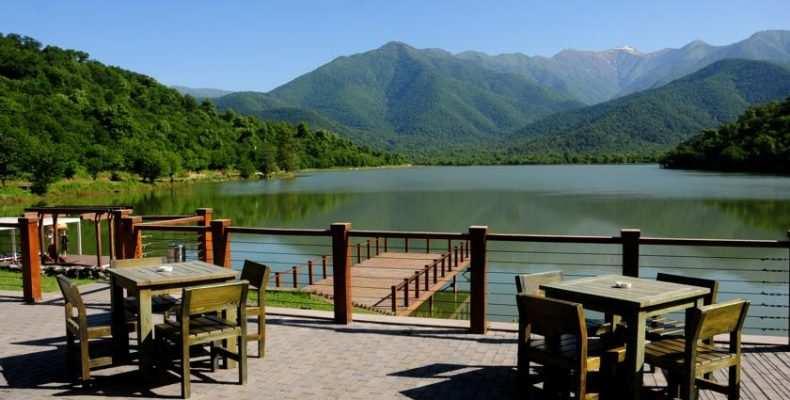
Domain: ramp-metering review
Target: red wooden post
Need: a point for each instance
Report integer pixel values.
(377, 246)
(435, 275)
(133, 238)
(478, 301)
(295, 271)
(277, 279)
(31, 259)
(406, 245)
(323, 266)
(455, 250)
(630, 255)
(417, 285)
(427, 278)
(406, 292)
(368, 249)
(394, 298)
(359, 253)
(309, 272)
(341, 266)
(206, 249)
(444, 258)
(221, 242)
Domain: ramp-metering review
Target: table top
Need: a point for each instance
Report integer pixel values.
(183, 273)
(643, 293)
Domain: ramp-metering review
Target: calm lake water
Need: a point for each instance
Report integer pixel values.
(586, 200)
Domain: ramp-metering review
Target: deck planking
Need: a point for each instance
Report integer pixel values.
(372, 280)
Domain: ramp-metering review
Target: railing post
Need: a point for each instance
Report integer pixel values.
(386, 248)
(394, 300)
(427, 245)
(277, 279)
(406, 292)
(359, 253)
(406, 245)
(323, 266)
(133, 248)
(121, 234)
(221, 242)
(417, 284)
(206, 252)
(788, 289)
(309, 272)
(341, 271)
(31, 259)
(435, 274)
(427, 278)
(377, 245)
(478, 302)
(456, 255)
(630, 238)
(295, 271)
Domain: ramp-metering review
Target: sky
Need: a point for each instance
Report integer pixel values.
(259, 45)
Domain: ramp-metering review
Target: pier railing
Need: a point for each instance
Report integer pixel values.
(322, 258)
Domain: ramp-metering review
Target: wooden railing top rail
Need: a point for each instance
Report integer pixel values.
(163, 217)
(173, 228)
(175, 221)
(515, 237)
(408, 234)
(278, 231)
(76, 209)
(658, 241)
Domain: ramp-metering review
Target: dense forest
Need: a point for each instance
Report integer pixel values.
(61, 112)
(759, 141)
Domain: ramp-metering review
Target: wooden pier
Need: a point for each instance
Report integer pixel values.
(398, 283)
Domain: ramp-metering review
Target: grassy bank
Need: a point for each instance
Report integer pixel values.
(12, 281)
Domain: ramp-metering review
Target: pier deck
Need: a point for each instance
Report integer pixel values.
(373, 279)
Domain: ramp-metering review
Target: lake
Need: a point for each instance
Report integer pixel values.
(563, 199)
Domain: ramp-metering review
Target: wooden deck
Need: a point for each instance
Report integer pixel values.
(372, 280)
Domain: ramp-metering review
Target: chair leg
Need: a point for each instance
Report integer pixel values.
(734, 387)
(242, 359)
(185, 372)
(581, 385)
(85, 359)
(261, 336)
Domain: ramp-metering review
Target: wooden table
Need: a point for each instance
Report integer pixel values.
(645, 298)
(147, 282)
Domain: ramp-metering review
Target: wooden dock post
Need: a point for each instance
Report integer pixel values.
(277, 279)
(385, 245)
(359, 253)
(406, 292)
(405, 245)
(630, 255)
(220, 238)
(31, 259)
(367, 251)
(295, 272)
(341, 272)
(427, 245)
(309, 272)
(478, 301)
(377, 246)
(427, 278)
(416, 285)
(323, 266)
(394, 299)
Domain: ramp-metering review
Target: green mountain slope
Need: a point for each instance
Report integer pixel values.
(61, 112)
(414, 97)
(201, 93)
(759, 141)
(653, 120)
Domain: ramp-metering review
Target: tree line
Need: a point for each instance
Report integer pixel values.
(62, 113)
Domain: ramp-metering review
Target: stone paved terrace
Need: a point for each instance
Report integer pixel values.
(385, 358)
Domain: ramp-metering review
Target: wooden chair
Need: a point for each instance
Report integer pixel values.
(689, 359)
(529, 284)
(84, 328)
(258, 277)
(661, 327)
(565, 345)
(159, 303)
(197, 326)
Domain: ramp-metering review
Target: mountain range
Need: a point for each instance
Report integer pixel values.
(407, 99)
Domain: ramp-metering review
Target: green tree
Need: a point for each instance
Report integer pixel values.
(287, 158)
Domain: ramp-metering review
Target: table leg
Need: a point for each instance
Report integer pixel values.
(145, 331)
(635, 354)
(119, 328)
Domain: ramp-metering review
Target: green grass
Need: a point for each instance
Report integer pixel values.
(12, 280)
(446, 304)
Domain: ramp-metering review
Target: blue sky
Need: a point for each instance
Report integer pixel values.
(258, 45)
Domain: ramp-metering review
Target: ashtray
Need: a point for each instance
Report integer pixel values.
(165, 268)
(622, 285)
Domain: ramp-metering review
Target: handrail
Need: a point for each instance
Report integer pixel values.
(278, 231)
(174, 222)
(409, 234)
(515, 237)
(173, 228)
(163, 217)
(659, 241)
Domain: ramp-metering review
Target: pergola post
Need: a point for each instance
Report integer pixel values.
(31, 259)
(341, 266)
(205, 250)
(479, 280)
(221, 242)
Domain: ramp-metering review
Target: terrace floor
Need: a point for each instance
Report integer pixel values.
(307, 357)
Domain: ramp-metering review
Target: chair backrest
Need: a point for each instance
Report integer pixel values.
(138, 262)
(71, 294)
(530, 283)
(550, 317)
(711, 284)
(212, 298)
(256, 274)
(708, 321)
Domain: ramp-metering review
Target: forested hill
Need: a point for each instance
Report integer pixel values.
(61, 112)
(759, 141)
(652, 121)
